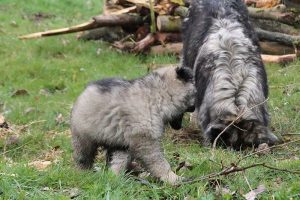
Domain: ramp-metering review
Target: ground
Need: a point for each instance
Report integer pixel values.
(39, 81)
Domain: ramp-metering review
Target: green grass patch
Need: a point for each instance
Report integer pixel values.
(53, 71)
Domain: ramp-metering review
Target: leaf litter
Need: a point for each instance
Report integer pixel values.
(252, 195)
(46, 159)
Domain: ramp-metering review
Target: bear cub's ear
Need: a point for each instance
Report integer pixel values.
(185, 74)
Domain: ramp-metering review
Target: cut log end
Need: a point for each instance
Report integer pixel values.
(280, 59)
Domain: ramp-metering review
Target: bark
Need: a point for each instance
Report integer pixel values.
(171, 24)
(172, 48)
(167, 23)
(96, 22)
(275, 26)
(109, 34)
(283, 17)
(282, 38)
(144, 43)
(275, 48)
(292, 4)
(277, 13)
(180, 11)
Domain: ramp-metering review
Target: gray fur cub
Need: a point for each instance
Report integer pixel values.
(128, 118)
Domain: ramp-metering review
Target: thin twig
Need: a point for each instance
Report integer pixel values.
(234, 168)
(224, 172)
(272, 147)
(278, 169)
(237, 118)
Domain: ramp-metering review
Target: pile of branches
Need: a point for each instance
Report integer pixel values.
(154, 26)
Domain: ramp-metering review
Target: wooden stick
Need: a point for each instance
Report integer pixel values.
(282, 59)
(81, 27)
(97, 21)
(234, 168)
(152, 38)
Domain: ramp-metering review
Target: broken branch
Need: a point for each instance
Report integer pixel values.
(281, 59)
(234, 168)
(290, 40)
(97, 21)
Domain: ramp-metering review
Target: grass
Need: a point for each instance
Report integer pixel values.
(55, 70)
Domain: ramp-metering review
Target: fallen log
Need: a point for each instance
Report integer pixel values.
(281, 59)
(284, 17)
(275, 48)
(167, 23)
(173, 24)
(95, 22)
(277, 14)
(275, 26)
(108, 34)
(176, 48)
(282, 38)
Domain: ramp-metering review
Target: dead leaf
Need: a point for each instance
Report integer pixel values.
(263, 149)
(14, 23)
(253, 193)
(20, 92)
(72, 192)
(98, 51)
(53, 155)
(40, 164)
(46, 189)
(44, 92)
(59, 119)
